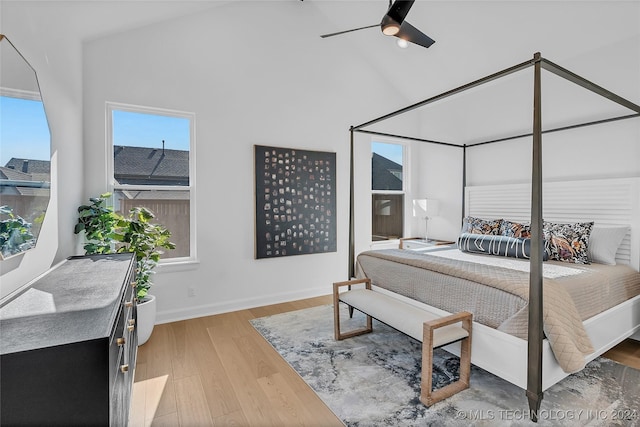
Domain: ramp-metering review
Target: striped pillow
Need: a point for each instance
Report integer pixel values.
(514, 247)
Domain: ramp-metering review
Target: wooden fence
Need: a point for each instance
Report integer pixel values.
(173, 214)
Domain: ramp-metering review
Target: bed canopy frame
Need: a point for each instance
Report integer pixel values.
(534, 389)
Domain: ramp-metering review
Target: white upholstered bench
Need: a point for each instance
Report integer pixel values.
(433, 331)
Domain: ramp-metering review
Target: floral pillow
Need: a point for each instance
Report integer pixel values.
(567, 242)
(515, 229)
(482, 226)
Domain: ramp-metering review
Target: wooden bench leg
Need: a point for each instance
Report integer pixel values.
(427, 396)
(336, 310)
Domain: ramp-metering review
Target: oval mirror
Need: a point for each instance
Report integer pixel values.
(25, 153)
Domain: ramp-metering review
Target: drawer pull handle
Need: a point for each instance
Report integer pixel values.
(132, 321)
(130, 328)
(120, 341)
(128, 304)
(124, 368)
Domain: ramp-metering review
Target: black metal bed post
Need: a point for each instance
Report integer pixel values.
(534, 365)
(464, 181)
(351, 214)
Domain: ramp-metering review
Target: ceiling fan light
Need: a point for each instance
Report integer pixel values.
(389, 26)
(391, 30)
(402, 43)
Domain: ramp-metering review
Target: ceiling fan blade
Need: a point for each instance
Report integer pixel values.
(324, 36)
(399, 9)
(411, 34)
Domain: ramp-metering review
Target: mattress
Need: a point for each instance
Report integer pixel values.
(495, 290)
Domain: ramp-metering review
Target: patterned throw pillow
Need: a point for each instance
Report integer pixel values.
(567, 242)
(482, 226)
(515, 229)
(515, 247)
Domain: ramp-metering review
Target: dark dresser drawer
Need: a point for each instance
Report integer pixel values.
(69, 344)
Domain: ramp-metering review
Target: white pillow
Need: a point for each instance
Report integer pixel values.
(604, 243)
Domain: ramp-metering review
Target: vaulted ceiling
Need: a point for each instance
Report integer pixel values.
(473, 38)
(480, 31)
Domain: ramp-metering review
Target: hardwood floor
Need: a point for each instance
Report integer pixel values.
(627, 353)
(218, 371)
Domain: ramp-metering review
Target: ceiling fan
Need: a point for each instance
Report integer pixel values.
(393, 24)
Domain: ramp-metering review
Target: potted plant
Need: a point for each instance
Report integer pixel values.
(145, 239)
(107, 231)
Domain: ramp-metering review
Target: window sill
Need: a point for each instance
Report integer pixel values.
(178, 265)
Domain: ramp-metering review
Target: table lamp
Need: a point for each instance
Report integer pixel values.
(426, 209)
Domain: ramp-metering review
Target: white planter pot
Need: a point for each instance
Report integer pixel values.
(146, 318)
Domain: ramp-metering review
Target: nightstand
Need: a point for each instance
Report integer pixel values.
(418, 244)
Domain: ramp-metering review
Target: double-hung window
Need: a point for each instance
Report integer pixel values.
(387, 190)
(152, 165)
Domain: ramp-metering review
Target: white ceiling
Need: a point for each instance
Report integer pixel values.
(483, 36)
(90, 19)
(443, 20)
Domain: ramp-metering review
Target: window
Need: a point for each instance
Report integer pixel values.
(152, 165)
(387, 188)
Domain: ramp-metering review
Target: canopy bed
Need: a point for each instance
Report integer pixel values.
(525, 357)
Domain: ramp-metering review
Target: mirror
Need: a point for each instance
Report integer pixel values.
(25, 153)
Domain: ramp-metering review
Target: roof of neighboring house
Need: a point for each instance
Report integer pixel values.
(9, 173)
(27, 170)
(135, 165)
(30, 166)
(381, 177)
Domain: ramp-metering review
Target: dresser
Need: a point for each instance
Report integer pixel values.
(68, 345)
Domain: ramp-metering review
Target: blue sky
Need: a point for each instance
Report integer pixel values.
(390, 151)
(149, 130)
(24, 132)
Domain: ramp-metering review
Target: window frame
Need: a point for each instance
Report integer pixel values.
(405, 185)
(191, 188)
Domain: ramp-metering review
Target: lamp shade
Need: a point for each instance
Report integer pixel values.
(425, 207)
(383, 207)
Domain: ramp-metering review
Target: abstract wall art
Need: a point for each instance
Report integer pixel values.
(295, 202)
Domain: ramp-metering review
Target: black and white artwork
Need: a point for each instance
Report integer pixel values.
(295, 202)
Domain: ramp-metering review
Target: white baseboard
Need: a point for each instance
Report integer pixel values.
(168, 316)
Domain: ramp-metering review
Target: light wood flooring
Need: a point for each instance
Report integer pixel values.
(218, 371)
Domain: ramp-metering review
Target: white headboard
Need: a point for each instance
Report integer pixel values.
(606, 201)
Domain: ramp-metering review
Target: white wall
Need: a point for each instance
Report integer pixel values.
(261, 86)
(257, 73)
(57, 58)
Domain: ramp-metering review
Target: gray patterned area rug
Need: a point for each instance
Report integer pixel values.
(374, 380)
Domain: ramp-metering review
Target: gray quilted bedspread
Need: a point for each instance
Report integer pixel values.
(496, 291)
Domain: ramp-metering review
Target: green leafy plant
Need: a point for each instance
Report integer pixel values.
(101, 225)
(15, 233)
(107, 231)
(145, 240)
